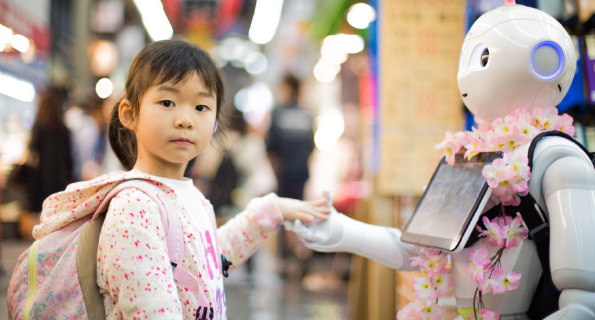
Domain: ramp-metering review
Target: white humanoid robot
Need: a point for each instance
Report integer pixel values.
(512, 57)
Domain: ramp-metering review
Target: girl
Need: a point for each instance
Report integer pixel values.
(171, 108)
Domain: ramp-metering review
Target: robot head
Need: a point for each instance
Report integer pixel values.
(515, 56)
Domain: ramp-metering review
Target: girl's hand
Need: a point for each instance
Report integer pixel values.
(305, 211)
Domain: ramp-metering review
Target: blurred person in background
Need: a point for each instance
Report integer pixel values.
(49, 150)
(102, 158)
(256, 176)
(244, 171)
(91, 168)
(85, 131)
(290, 142)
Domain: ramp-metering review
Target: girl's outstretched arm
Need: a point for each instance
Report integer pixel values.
(241, 236)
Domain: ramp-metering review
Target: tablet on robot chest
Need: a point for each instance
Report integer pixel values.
(451, 204)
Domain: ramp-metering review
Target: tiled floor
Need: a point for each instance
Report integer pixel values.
(261, 296)
(266, 296)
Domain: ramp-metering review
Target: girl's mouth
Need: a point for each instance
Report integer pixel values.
(182, 142)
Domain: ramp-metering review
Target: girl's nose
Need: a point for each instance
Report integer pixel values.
(184, 120)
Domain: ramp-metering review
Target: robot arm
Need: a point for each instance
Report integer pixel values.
(342, 234)
(569, 192)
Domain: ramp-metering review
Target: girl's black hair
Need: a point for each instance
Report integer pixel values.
(157, 63)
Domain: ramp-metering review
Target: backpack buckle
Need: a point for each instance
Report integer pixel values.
(225, 266)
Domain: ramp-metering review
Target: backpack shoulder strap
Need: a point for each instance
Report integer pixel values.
(169, 217)
(552, 133)
(545, 300)
(86, 267)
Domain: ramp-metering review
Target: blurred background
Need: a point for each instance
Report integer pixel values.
(342, 95)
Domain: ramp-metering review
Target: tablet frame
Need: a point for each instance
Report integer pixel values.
(458, 243)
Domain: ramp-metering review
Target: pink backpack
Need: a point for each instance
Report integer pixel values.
(56, 278)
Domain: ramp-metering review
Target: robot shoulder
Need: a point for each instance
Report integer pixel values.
(548, 148)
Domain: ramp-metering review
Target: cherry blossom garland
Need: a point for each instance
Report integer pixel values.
(508, 178)
(434, 282)
(503, 232)
(509, 175)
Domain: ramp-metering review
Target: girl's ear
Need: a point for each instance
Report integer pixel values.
(126, 114)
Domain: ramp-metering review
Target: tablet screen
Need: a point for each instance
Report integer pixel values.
(449, 203)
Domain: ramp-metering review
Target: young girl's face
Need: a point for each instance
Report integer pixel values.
(174, 125)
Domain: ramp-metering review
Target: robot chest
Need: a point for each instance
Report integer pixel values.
(522, 259)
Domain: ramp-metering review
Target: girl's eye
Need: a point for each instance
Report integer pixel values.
(167, 103)
(201, 108)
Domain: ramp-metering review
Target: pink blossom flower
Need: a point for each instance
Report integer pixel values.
(521, 113)
(525, 126)
(451, 145)
(502, 281)
(475, 134)
(520, 163)
(545, 119)
(426, 273)
(410, 312)
(513, 230)
(507, 177)
(419, 261)
(483, 314)
(479, 261)
(493, 233)
(432, 260)
(502, 181)
(519, 185)
(476, 143)
(486, 286)
(487, 314)
(565, 124)
(437, 263)
(424, 290)
(508, 185)
(442, 281)
(504, 126)
(491, 141)
(508, 141)
(497, 172)
(483, 125)
(431, 312)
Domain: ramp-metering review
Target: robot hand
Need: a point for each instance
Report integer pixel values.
(340, 233)
(320, 235)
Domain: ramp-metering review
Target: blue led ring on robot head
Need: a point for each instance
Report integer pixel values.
(543, 63)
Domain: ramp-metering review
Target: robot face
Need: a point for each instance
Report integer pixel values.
(512, 57)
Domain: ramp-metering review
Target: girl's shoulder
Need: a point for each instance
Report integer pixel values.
(132, 208)
(132, 198)
(115, 177)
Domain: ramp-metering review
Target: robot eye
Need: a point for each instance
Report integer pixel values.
(480, 56)
(485, 57)
(547, 60)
